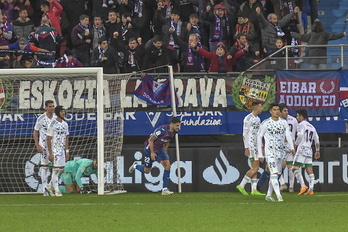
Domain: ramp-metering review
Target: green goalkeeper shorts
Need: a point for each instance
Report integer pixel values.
(68, 178)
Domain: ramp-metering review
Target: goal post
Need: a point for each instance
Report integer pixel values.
(92, 101)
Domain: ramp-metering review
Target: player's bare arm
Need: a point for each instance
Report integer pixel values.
(36, 139)
(49, 147)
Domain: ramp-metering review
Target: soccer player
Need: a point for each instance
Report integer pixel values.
(251, 125)
(274, 130)
(73, 171)
(293, 124)
(40, 134)
(156, 147)
(58, 149)
(306, 135)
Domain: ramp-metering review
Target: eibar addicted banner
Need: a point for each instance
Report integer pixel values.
(318, 92)
(344, 94)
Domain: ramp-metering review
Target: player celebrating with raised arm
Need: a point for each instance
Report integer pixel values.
(156, 147)
(251, 125)
(306, 135)
(73, 171)
(58, 149)
(40, 134)
(274, 130)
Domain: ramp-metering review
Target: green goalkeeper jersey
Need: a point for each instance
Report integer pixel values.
(80, 168)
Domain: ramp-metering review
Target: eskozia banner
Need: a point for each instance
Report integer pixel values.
(318, 92)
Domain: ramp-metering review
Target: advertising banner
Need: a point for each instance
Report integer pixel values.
(318, 92)
(203, 169)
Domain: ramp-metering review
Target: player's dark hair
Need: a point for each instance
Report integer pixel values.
(282, 106)
(255, 103)
(48, 102)
(45, 4)
(57, 111)
(272, 105)
(174, 120)
(303, 113)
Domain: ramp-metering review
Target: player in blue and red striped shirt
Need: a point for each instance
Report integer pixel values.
(156, 147)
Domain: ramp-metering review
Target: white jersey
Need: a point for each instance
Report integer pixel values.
(251, 125)
(274, 133)
(59, 131)
(293, 124)
(41, 125)
(306, 135)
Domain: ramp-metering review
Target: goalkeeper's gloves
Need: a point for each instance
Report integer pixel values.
(83, 191)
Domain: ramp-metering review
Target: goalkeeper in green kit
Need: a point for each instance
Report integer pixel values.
(73, 171)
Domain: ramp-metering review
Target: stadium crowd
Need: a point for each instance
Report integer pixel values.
(133, 35)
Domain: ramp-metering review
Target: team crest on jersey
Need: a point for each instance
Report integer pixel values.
(248, 89)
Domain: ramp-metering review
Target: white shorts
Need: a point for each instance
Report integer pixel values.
(304, 157)
(253, 154)
(59, 159)
(274, 164)
(289, 158)
(44, 158)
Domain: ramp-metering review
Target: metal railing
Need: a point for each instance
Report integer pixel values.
(332, 50)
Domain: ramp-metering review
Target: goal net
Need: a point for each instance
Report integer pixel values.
(93, 103)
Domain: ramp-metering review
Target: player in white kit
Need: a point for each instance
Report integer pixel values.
(58, 149)
(39, 135)
(293, 124)
(251, 125)
(306, 135)
(274, 130)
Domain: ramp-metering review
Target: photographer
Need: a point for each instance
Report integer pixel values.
(106, 57)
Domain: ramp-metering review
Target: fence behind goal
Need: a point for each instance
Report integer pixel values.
(94, 114)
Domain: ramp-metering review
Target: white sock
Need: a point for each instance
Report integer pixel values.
(270, 189)
(253, 184)
(311, 182)
(275, 184)
(55, 177)
(291, 179)
(299, 177)
(244, 181)
(45, 173)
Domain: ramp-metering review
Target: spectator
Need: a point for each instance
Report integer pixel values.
(68, 60)
(106, 57)
(279, 62)
(47, 37)
(125, 29)
(220, 28)
(271, 28)
(156, 55)
(23, 5)
(22, 26)
(81, 40)
(195, 26)
(8, 9)
(247, 28)
(163, 12)
(248, 8)
(218, 59)
(142, 17)
(133, 54)
(97, 31)
(27, 62)
(242, 54)
(23, 47)
(5, 37)
(317, 37)
(51, 9)
(111, 24)
(193, 61)
(125, 6)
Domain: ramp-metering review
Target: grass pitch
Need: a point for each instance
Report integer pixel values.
(179, 212)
